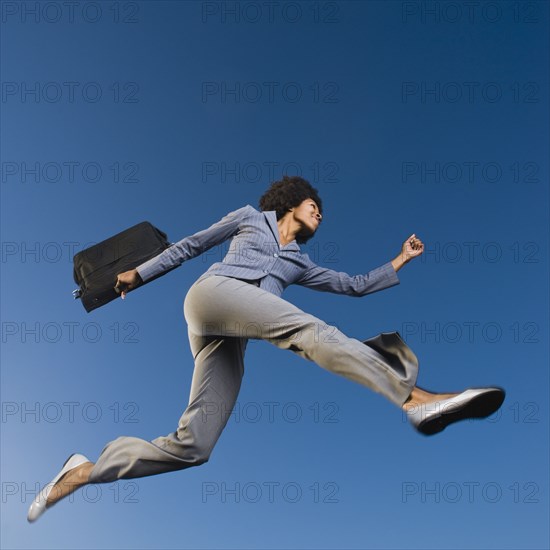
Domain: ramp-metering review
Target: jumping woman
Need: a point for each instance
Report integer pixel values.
(240, 298)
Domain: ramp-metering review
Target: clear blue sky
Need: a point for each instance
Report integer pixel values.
(407, 120)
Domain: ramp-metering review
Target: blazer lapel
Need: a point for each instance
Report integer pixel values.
(271, 217)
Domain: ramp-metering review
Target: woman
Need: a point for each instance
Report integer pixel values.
(238, 299)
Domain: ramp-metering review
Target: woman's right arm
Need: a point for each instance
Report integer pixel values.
(187, 248)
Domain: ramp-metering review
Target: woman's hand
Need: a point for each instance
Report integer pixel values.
(127, 281)
(411, 248)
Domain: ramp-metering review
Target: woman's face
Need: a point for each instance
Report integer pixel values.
(308, 215)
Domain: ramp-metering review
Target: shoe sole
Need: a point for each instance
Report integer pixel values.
(482, 406)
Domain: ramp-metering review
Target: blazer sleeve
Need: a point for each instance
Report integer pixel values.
(190, 247)
(328, 280)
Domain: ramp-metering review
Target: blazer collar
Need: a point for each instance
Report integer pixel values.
(271, 217)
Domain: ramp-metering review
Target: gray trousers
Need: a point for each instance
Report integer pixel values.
(222, 314)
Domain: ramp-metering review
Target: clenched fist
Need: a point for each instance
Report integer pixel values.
(411, 248)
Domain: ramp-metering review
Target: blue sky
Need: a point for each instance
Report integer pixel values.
(409, 117)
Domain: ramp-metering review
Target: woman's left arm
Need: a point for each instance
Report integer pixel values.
(339, 282)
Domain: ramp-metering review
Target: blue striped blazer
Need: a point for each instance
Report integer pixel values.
(255, 254)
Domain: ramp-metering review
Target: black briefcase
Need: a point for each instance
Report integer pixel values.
(97, 267)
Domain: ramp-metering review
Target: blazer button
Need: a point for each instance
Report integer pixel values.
(276, 255)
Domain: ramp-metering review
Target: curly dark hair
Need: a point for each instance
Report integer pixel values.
(287, 193)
